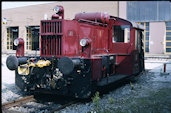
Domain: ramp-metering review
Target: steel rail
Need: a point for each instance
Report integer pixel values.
(18, 102)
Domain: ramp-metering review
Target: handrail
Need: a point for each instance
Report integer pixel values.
(93, 22)
(101, 50)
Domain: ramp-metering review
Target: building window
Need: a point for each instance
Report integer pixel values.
(148, 11)
(121, 33)
(146, 35)
(28, 38)
(168, 37)
(32, 39)
(12, 34)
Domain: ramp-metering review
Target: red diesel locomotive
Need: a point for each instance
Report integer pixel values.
(79, 55)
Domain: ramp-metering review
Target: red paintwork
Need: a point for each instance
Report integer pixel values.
(20, 48)
(66, 35)
(96, 66)
(98, 17)
(60, 13)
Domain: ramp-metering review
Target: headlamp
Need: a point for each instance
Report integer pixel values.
(16, 42)
(56, 9)
(83, 42)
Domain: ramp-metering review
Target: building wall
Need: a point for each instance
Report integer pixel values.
(122, 9)
(154, 12)
(157, 36)
(31, 15)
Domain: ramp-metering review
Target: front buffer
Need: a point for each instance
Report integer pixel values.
(62, 76)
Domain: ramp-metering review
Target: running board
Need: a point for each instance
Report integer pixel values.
(111, 79)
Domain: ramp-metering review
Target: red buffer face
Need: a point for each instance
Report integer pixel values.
(19, 42)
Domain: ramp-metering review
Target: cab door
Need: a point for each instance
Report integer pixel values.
(121, 45)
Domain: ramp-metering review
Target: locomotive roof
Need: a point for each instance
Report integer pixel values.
(135, 25)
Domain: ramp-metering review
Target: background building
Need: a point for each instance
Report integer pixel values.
(24, 21)
(155, 16)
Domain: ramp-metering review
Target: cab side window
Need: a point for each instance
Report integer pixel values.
(121, 33)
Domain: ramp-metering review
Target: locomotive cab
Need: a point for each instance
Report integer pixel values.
(79, 55)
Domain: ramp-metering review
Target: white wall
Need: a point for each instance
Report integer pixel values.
(122, 10)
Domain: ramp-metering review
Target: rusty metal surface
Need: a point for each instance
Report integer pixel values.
(18, 102)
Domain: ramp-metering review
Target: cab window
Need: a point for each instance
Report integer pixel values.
(121, 33)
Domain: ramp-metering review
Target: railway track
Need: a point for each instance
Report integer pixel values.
(157, 58)
(19, 102)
